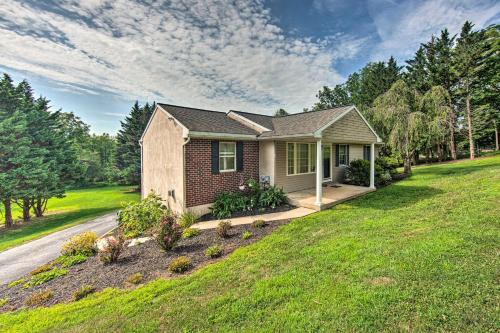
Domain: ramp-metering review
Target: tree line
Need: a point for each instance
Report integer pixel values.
(45, 152)
(443, 102)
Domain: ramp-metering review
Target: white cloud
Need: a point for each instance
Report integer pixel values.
(115, 114)
(402, 27)
(209, 54)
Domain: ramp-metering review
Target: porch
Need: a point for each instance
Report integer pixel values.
(333, 194)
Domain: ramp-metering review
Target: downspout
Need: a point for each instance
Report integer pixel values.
(186, 141)
(142, 172)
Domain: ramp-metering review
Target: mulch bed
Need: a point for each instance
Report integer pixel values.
(258, 211)
(147, 259)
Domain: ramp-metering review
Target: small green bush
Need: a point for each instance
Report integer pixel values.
(134, 278)
(273, 197)
(246, 234)
(3, 301)
(44, 277)
(190, 233)
(168, 233)
(82, 292)
(226, 203)
(214, 251)
(223, 228)
(16, 282)
(38, 298)
(137, 217)
(179, 265)
(83, 243)
(41, 269)
(68, 261)
(187, 219)
(259, 224)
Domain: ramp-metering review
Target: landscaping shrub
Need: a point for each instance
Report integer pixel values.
(190, 232)
(246, 234)
(226, 203)
(82, 292)
(110, 248)
(44, 277)
(16, 282)
(68, 261)
(41, 269)
(259, 224)
(3, 301)
(138, 217)
(179, 265)
(187, 219)
(388, 164)
(83, 243)
(223, 228)
(214, 251)
(358, 172)
(273, 197)
(38, 298)
(168, 233)
(134, 278)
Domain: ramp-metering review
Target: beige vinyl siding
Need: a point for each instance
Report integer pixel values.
(267, 160)
(293, 182)
(163, 160)
(349, 129)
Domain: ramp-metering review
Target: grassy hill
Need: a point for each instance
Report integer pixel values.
(420, 255)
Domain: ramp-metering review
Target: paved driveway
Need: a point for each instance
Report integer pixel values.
(22, 259)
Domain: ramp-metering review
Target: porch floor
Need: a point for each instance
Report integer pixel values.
(332, 195)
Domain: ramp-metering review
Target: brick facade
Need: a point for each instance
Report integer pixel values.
(201, 185)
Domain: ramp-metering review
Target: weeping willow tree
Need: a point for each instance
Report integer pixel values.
(398, 111)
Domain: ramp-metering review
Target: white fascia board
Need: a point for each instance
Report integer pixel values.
(213, 135)
(306, 135)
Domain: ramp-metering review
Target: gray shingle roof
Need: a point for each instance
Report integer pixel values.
(261, 119)
(199, 120)
(303, 123)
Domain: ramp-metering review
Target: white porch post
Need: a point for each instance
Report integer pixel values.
(319, 172)
(372, 166)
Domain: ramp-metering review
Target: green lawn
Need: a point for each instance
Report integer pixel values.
(78, 206)
(420, 255)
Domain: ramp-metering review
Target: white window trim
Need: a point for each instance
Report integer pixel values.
(345, 154)
(364, 147)
(235, 159)
(295, 166)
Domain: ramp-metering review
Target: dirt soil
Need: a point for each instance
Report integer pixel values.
(147, 258)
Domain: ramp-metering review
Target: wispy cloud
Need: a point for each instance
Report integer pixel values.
(402, 27)
(115, 114)
(212, 54)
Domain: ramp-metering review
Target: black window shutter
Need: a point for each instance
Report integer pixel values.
(215, 157)
(337, 155)
(347, 158)
(239, 156)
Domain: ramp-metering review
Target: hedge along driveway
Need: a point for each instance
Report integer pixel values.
(76, 207)
(420, 255)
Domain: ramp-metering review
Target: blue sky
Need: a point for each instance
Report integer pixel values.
(95, 57)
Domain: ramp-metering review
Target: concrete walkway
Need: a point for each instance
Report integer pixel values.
(289, 214)
(22, 259)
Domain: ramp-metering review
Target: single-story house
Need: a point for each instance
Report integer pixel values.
(189, 155)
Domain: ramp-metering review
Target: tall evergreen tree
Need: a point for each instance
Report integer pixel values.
(467, 56)
(128, 147)
(417, 72)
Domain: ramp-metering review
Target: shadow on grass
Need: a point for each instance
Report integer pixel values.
(454, 169)
(395, 196)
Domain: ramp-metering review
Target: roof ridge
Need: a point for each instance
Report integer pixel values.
(257, 114)
(329, 109)
(191, 108)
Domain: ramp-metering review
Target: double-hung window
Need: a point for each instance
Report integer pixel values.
(343, 155)
(301, 158)
(227, 156)
(367, 152)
